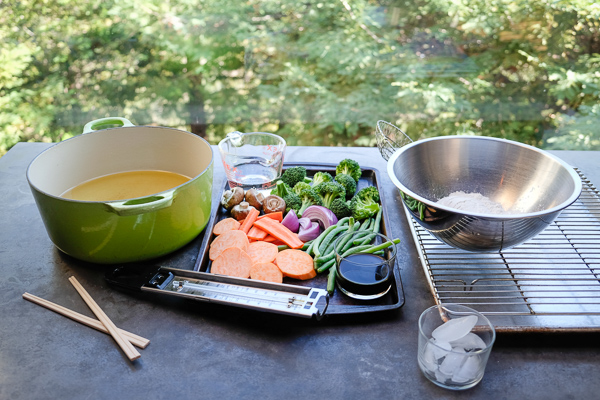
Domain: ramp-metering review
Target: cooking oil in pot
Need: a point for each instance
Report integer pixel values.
(125, 185)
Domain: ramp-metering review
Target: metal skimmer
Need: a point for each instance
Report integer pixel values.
(549, 283)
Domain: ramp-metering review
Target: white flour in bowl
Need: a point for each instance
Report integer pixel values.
(472, 202)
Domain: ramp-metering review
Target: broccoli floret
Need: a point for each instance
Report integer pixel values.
(365, 203)
(341, 208)
(321, 177)
(348, 183)
(329, 191)
(292, 200)
(300, 186)
(349, 167)
(281, 189)
(309, 198)
(307, 180)
(293, 175)
(369, 193)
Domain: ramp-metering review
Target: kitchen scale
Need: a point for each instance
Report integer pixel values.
(278, 298)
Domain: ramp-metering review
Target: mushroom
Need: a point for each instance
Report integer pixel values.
(273, 204)
(232, 197)
(255, 198)
(240, 211)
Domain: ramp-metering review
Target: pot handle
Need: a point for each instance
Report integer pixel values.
(99, 123)
(143, 205)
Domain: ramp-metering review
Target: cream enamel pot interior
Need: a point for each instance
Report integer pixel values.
(137, 229)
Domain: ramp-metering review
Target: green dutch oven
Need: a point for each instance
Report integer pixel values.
(109, 232)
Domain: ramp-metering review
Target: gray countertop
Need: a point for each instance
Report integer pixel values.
(206, 351)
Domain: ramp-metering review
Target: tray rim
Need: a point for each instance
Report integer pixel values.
(333, 309)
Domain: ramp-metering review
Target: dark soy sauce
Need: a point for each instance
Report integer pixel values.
(365, 276)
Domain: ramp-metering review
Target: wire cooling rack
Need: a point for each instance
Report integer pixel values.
(549, 283)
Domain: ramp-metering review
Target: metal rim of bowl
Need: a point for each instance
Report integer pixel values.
(575, 177)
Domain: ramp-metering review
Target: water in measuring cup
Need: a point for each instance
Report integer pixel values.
(253, 173)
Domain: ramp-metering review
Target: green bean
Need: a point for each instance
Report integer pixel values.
(326, 266)
(310, 247)
(343, 221)
(324, 258)
(367, 239)
(331, 280)
(377, 223)
(382, 246)
(370, 248)
(325, 242)
(282, 247)
(349, 235)
(356, 249)
(365, 224)
(318, 240)
(358, 237)
(306, 245)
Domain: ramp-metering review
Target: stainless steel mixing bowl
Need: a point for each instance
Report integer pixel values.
(532, 186)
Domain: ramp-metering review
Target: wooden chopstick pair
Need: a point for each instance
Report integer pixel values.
(124, 339)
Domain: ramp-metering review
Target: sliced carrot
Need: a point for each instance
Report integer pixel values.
(232, 262)
(224, 225)
(229, 239)
(256, 234)
(266, 272)
(262, 252)
(249, 220)
(269, 239)
(280, 232)
(278, 216)
(295, 264)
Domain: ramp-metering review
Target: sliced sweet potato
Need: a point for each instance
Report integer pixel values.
(266, 272)
(262, 252)
(232, 261)
(228, 239)
(224, 225)
(295, 264)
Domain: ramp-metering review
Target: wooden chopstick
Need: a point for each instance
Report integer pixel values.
(127, 348)
(134, 339)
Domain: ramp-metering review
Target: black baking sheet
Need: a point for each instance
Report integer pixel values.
(338, 303)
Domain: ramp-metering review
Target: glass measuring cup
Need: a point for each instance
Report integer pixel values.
(252, 160)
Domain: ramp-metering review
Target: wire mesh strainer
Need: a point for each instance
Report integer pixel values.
(390, 138)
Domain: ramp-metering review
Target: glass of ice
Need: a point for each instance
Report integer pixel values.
(454, 345)
(252, 160)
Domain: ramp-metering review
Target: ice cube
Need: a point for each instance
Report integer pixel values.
(469, 371)
(441, 377)
(454, 329)
(469, 342)
(441, 349)
(428, 359)
(452, 363)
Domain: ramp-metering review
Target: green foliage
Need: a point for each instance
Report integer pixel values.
(316, 73)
